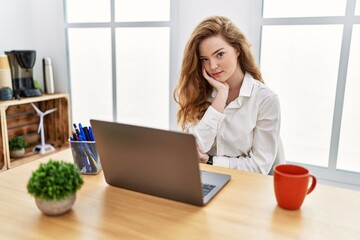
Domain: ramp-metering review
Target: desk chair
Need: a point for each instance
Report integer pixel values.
(280, 157)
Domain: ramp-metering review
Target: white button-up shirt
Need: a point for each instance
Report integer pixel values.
(246, 135)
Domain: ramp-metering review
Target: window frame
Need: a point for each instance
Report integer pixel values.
(329, 174)
(113, 26)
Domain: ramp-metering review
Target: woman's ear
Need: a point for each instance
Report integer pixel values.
(237, 52)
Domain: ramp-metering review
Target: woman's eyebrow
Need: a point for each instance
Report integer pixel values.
(214, 52)
(217, 51)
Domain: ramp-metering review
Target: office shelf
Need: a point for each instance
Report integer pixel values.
(19, 118)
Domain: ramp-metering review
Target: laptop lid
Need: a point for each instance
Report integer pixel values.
(153, 161)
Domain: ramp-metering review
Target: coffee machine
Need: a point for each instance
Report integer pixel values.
(21, 65)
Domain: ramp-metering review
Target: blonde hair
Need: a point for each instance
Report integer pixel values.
(192, 91)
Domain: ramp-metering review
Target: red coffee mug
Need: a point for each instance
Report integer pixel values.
(291, 184)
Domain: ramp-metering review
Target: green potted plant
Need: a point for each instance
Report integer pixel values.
(17, 147)
(54, 185)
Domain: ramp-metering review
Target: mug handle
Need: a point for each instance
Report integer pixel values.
(313, 184)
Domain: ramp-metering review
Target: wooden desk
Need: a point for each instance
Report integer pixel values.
(245, 209)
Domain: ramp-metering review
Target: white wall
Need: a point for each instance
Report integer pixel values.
(36, 25)
(192, 12)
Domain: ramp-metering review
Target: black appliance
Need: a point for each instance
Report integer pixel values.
(21, 65)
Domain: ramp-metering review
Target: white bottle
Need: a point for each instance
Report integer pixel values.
(48, 76)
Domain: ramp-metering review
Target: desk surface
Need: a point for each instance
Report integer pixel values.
(245, 209)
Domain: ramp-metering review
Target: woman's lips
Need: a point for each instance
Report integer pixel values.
(216, 74)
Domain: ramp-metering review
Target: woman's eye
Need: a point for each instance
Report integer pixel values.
(220, 54)
(203, 60)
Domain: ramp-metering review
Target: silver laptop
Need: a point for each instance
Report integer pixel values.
(153, 161)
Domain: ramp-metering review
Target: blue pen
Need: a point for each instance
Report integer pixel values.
(81, 138)
(91, 134)
(92, 160)
(84, 157)
(90, 152)
(82, 133)
(86, 131)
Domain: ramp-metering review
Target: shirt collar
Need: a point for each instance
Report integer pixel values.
(247, 85)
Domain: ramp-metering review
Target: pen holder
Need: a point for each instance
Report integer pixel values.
(86, 157)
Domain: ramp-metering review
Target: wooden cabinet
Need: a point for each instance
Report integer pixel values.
(19, 118)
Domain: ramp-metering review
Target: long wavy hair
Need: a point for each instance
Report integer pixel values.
(193, 90)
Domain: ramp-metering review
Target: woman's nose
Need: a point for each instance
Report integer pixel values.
(213, 64)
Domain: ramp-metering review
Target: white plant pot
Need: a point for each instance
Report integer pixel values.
(54, 208)
(17, 153)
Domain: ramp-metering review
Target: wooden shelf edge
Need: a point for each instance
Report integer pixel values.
(43, 97)
(18, 162)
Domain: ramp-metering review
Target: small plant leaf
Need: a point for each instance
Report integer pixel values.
(55, 180)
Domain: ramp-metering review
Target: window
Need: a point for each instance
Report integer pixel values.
(154, 10)
(349, 146)
(119, 60)
(91, 85)
(143, 76)
(84, 11)
(303, 8)
(297, 64)
(309, 56)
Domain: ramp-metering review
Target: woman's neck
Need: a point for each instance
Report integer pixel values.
(235, 82)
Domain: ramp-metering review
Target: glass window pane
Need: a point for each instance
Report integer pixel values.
(349, 146)
(357, 8)
(303, 8)
(302, 69)
(142, 10)
(90, 72)
(143, 76)
(79, 11)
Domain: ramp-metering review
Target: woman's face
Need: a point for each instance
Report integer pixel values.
(218, 58)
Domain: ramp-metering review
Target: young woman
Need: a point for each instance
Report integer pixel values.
(223, 100)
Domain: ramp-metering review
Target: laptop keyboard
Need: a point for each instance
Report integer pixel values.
(207, 188)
